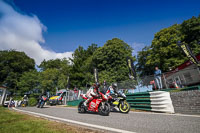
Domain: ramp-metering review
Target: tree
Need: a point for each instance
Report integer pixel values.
(190, 29)
(164, 51)
(61, 69)
(110, 60)
(49, 80)
(82, 66)
(29, 81)
(53, 63)
(142, 58)
(12, 65)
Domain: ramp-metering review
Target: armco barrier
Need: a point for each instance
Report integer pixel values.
(159, 101)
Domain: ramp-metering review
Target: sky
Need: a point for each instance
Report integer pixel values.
(49, 29)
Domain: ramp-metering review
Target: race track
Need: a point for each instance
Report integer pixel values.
(140, 122)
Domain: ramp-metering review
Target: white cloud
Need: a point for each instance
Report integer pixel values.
(24, 33)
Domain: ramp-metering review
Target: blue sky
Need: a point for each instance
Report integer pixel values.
(70, 23)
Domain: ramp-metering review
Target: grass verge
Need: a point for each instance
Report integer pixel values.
(14, 122)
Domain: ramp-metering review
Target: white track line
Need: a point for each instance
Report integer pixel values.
(77, 122)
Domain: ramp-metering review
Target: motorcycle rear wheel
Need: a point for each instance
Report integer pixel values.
(81, 107)
(38, 105)
(104, 110)
(125, 108)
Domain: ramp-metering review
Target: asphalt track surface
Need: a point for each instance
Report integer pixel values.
(140, 122)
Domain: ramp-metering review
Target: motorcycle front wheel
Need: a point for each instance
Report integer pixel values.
(42, 104)
(124, 107)
(81, 107)
(104, 109)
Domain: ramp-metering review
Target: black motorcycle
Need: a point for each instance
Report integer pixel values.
(41, 102)
(118, 103)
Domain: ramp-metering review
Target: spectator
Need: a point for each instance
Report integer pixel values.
(105, 88)
(157, 75)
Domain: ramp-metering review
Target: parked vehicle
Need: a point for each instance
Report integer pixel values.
(98, 104)
(57, 99)
(41, 102)
(119, 103)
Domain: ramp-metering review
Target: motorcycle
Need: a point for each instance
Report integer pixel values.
(24, 103)
(98, 104)
(119, 103)
(41, 102)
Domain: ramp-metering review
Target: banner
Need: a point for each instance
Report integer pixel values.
(132, 72)
(96, 75)
(186, 49)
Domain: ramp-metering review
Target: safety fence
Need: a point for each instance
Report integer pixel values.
(174, 79)
(158, 101)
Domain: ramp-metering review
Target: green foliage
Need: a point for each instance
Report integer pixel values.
(57, 64)
(28, 81)
(54, 74)
(49, 79)
(110, 60)
(190, 30)
(164, 51)
(18, 98)
(12, 65)
(32, 101)
(82, 68)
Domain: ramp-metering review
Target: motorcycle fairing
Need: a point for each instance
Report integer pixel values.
(94, 104)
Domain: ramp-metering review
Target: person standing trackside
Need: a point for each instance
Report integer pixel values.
(157, 75)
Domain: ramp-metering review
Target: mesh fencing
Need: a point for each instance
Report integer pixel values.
(174, 79)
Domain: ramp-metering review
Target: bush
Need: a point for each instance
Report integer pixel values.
(32, 101)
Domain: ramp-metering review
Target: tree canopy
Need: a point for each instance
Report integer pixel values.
(164, 52)
(12, 65)
(110, 60)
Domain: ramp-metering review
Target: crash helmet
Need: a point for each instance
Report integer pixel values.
(96, 86)
(114, 86)
(44, 93)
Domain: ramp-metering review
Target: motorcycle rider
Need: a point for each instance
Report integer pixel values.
(112, 90)
(91, 93)
(42, 94)
(25, 99)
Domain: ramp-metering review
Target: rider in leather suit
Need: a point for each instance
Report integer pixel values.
(91, 93)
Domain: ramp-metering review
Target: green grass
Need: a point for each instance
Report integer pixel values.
(14, 122)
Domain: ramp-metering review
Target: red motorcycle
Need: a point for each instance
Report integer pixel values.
(98, 104)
